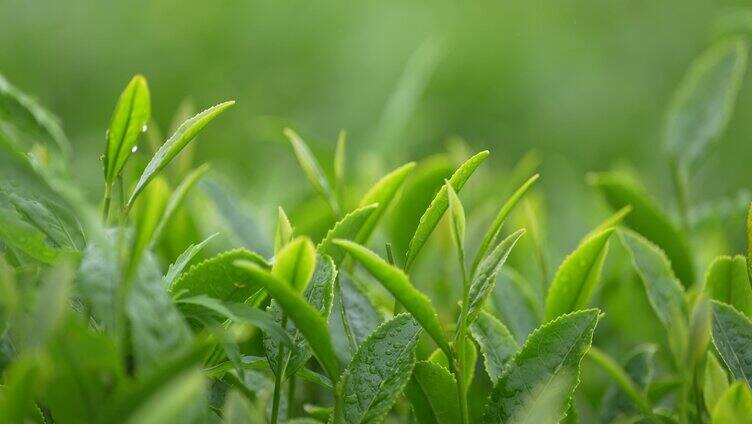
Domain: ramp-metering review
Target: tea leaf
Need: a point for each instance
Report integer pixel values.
(538, 385)
(283, 232)
(649, 220)
(620, 398)
(64, 233)
(178, 197)
(516, 303)
(732, 336)
(129, 119)
(307, 319)
(432, 391)
(485, 278)
(611, 221)
(184, 134)
(382, 193)
(177, 267)
(295, 263)
(339, 165)
(734, 406)
(439, 205)
(312, 169)
(471, 358)
(399, 285)
(217, 277)
(18, 233)
(457, 219)
(378, 372)
(346, 228)
(715, 382)
(496, 344)
(171, 402)
(704, 102)
(148, 220)
(493, 231)
(727, 282)
(577, 276)
(357, 313)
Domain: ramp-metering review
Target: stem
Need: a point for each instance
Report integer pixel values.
(107, 201)
(121, 195)
(279, 377)
(290, 396)
(390, 258)
(459, 342)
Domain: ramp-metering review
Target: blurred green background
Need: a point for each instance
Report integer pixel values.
(586, 83)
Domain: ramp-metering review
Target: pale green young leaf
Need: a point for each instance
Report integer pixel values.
(398, 284)
(21, 381)
(649, 220)
(382, 193)
(283, 232)
(471, 358)
(378, 372)
(307, 319)
(577, 276)
(734, 406)
(346, 228)
(176, 268)
(432, 392)
(295, 263)
(538, 385)
(439, 205)
(184, 134)
(624, 398)
(340, 159)
(312, 169)
(727, 281)
(178, 197)
(704, 102)
(485, 278)
(496, 344)
(217, 277)
(732, 337)
(715, 382)
(149, 217)
(457, 218)
(610, 222)
(493, 231)
(132, 112)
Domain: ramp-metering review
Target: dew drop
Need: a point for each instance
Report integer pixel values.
(134, 149)
(144, 128)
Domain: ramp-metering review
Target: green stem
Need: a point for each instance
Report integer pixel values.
(107, 201)
(290, 396)
(390, 258)
(279, 377)
(459, 343)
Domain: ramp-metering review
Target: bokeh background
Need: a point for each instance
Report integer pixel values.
(585, 83)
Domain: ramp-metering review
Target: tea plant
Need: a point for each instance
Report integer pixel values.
(416, 304)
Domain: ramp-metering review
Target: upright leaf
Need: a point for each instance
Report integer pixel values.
(630, 381)
(283, 232)
(378, 372)
(129, 120)
(432, 391)
(312, 169)
(147, 221)
(732, 336)
(715, 382)
(177, 267)
(727, 281)
(457, 219)
(400, 287)
(184, 134)
(577, 276)
(439, 205)
(346, 228)
(541, 378)
(382, 193)
(496, 344)
(178, 197)
(295, 262)
(734, 406)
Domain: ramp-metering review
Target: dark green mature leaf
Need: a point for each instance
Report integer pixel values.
(496, 344)
(732, 336)
(132, 113)
(664, 291)
(399, 285)
(515, 302)
(178, 197)
(577, 276)
(638, 371)
(704, 102)
(439, 205)
(295, 263)
(218, 277)
(485, 277)
(63, 231)
(184, 134)
(432, 391)
(346, 228)
(649, 220)
(378, 372)
(715, 382)
(734, 406)
(541, 378)
(312, 169)
(21, 381)
(382, 193)
(727, 281)
(307, 319)
(493, 231)
(21, 235)
(355, 315)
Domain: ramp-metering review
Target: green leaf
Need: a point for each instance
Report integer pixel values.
(355, 316)
(339, 165)
(577, 276)
(540, 380)
(217, 277)
(382, 193)
(471, 358)
(611, 221)
(664, 291)
(307, 319)
(62, 230)
(184, 134)
(147, 221)
(171, 402)
(295, 263)
(21, 235)
(715, 382)
(48, 311)
(732, 336)
(21, 381)
(283, 232)
(399, 285)
(312, 169)
(129, 119)
(485, 277)
(493, 231)
(734, 406)
(496, 344)
(378, 372)
(432, 391)
(727, 281)
(457, 219)
(649, 220)
(346, 228)
(516, 304)
(629, 383)
(178, 197)
(439, 205)
(704, 102)
(177, 267)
